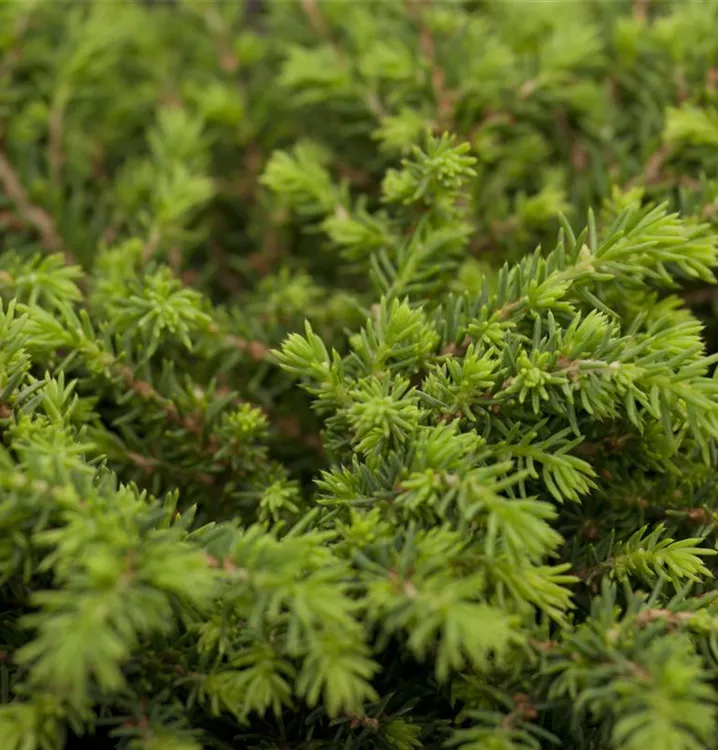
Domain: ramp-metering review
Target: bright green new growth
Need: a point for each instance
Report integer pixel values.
(353, 392)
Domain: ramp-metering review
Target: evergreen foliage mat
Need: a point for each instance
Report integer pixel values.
(357, 375)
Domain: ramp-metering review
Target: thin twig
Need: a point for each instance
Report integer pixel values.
(640, 10)
(668, 616)
(316, 18)
(263, 261)
(700, 296)
(498, 230)
(225, 275)
(651, 173)
(54, 148)
(151, 246)
(444, 97)
(30, 213)
(255, 349)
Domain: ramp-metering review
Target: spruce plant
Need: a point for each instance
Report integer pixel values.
(357, 375)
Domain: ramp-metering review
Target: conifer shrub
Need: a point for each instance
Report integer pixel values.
(357, 375)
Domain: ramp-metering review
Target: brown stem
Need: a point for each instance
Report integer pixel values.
(54, 148)
(194, 422)
(355, 176)
(671, 618)
(456, 350)
(30, 213)
(700, 296)
(151, 246)
(700, 516)
(227, 58)
(493, 234)
(225, 276)
(257, 350)
(174, 260)
(640, 10)
(651, 173)
(544, 646)
(523, 711)
(712, 80)
(610, 444)
(14, 53)
(444, 98)
(316, 18)
(587, 573)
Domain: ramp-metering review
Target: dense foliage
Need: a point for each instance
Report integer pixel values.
(357, 375)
